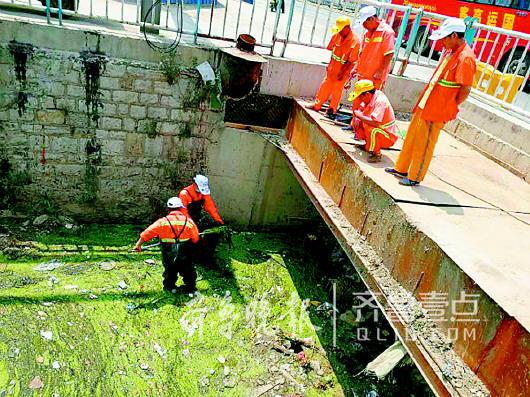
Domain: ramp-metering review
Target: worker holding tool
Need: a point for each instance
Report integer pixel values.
(178, 236)
(449, 87)
(373, 123)
(377, 49)
(195, 197)
(344, 46)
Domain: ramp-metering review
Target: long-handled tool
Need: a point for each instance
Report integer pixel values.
(223, 230)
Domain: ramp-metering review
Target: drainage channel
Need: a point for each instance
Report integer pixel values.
(278, 314)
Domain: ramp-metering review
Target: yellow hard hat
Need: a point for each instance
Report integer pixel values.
(340, 24)
(360, 87)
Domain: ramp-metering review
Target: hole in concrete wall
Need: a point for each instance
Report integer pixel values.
(260, 110)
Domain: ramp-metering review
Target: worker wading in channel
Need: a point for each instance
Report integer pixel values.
(178, 237)
(195, 198)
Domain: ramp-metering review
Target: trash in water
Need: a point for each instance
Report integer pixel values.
(160, 350)
(122, 284)
(48, 335)
(150, 261)
(107, 265)
(56, 365)
(48, 266)
(36, 383)
(52, 281)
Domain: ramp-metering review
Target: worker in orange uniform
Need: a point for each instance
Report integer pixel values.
(195, 197)
(344, 46)
(373, 121)
(449, 86)
(178, 236)
(377, 49)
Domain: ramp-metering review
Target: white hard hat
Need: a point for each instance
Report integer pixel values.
(202, 184)
(175, 202)
(449, 26)
(365, 13)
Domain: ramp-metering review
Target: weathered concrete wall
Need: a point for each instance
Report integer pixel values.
(150, 137)
(255, 182)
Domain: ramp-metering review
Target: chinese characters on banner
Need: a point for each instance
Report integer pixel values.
(491, 18)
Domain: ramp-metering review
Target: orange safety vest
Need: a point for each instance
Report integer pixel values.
(343, 50)
(167, 229)
(438, 99)
(376, 46)
(189, 195)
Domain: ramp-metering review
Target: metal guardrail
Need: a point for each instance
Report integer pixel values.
(504, 70)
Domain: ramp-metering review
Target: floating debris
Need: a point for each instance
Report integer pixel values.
(144, 366)
(40, 220)
(160, 350)
(48, 266)
(48, 335)
(36, 383)
(150, 262)
(56, 365)
(122, 285)
(107, 265)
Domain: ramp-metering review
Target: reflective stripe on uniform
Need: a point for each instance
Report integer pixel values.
(177, 223)
(372, 140)
(373, 39)
(449, 84)
(389, 124)
(338, 59)
(172, 240)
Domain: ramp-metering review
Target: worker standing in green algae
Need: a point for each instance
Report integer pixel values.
(195, 197)
(178, 236)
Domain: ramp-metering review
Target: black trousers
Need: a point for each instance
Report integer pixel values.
(205, 250)
(177, 259)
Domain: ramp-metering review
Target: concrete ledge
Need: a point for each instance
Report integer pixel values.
(435, 238)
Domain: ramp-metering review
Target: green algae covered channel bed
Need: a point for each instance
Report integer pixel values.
(82, 316)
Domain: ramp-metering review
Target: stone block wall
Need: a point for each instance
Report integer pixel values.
(119, 161)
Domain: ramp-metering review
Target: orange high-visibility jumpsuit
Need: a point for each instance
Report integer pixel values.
(384, 135)
(178, 236)
(189, 195)
(344, 54)
(436, 106)
(376, 46)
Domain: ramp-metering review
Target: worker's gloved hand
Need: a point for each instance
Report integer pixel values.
(347, 85)
(137, 248)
